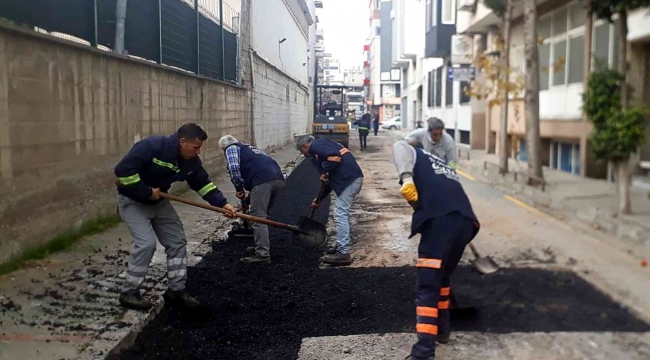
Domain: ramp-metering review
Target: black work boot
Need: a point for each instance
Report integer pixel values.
(443, 337)
(338, 259)
(250, 250)
(256, 259)
(180, 297)
(133, 300)
(332, 249)
(413, 357)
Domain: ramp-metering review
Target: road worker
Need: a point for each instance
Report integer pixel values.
(341, 173)
(435, 140)
(375, 122)
(444, 217)
(253, 171)
(364, 130)
(149, 169)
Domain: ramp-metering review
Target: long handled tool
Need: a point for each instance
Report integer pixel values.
(310, 238)
(307, 223)
(484, 265)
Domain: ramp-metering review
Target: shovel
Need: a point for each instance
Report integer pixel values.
(484, 265)
(306, 223)
(310, 238)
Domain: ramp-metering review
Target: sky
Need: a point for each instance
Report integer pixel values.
(345, 28)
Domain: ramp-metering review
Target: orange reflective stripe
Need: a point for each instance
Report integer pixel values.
(445, 291)
(426, 311)
(344, 151)
(429, 263)
(443, 305)
(334, 158)
(426, 329)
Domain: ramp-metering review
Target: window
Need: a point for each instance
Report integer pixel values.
(559, 63)
(434, 12)
(438, 73)
(602, 42)
(544, 28)
(428, 15)
(464, 99)
(448, 11)
(565, 157)
(560, 22)
(544, 65)
(449, 92)
(576, 56)
(577, 16)
(430, 89)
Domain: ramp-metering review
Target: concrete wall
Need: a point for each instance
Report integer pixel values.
(68, 113)
(272, 21)
(281, 106)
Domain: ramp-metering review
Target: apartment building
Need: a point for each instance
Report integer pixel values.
(443, 97)
(384, 88)
(561, 27)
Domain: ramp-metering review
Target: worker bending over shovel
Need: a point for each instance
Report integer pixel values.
(150, 168)
(252, 170)
(445, 219)
(341, 173)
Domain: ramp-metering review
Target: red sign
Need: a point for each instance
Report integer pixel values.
(366, 47)
(366, 81)
(366, 64)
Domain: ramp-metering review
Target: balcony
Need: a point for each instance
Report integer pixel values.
(438, 36)
(319, 35)
(318, 4)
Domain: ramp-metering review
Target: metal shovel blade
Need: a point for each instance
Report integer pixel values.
(309, 234)
(485, 265)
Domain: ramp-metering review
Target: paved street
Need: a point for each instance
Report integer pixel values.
(561, 294)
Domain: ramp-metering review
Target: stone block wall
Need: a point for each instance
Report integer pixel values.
(68, 113)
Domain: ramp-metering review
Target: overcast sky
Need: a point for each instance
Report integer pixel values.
(345, 26)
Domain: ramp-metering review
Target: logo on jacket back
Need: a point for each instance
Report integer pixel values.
(440, 167)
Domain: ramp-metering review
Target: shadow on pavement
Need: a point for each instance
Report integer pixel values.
(254, 312)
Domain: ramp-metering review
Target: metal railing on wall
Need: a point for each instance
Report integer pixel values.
(169, 32)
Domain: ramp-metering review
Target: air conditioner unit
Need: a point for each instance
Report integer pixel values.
(466, 5)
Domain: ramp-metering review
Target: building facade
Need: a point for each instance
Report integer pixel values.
(561, 28)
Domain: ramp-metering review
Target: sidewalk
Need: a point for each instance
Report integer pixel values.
(582, 202)
(593, 202)
(65, 307)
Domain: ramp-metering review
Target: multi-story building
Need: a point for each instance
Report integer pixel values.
(563, 129)
(384, 95)
(444, 98)
(408, 20)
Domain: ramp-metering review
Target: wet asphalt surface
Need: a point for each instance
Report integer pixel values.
(264, 312)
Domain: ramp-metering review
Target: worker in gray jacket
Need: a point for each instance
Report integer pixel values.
(435, 140)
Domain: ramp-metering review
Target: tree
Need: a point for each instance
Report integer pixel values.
(607, 9)
(498, 75)
(533, 140)
(618, 131)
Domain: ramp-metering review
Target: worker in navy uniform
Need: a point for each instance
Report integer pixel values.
(150, 168)
(444, 217)
(364, 129)
(340, 171)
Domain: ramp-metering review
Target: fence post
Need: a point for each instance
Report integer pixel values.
(94, 41)
(223, 47)
(120, 19)
(160, 52)
(198, 42)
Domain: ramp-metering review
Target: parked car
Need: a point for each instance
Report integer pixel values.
(392, 124)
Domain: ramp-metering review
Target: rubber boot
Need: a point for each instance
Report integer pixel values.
(413, 357)
(134, 300)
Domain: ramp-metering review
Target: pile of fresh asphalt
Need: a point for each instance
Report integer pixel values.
(264, 312)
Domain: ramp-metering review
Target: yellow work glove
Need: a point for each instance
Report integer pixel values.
(408, 190)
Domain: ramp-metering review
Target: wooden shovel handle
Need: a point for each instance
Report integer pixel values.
(320, 194)
(222, 211)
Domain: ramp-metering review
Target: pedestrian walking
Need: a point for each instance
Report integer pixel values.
(341, 173)
(444, 217)
(253, 171)
(364, 130)
(435, 140)
(150, 168)
(375, 122)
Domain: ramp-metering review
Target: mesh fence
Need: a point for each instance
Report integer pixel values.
(168, 32)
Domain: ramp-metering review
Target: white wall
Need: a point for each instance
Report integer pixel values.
(446, 112)
(637, 23)
(561, 102)
(277, 118)
(271, 21)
